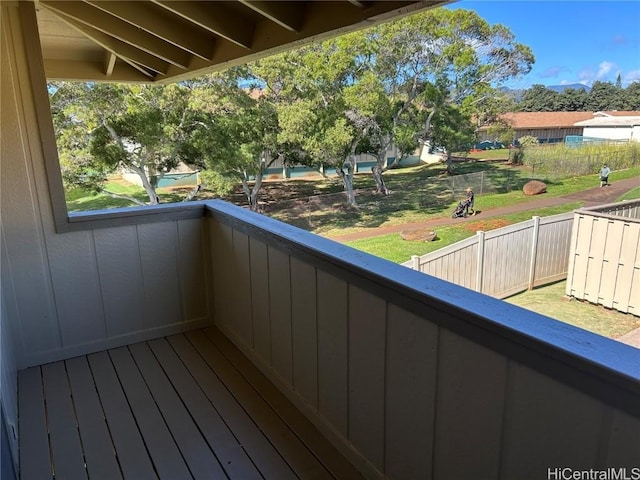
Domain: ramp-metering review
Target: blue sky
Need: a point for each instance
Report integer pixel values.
(577, 41)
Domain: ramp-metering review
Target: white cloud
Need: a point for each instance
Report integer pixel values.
(604, 69)
(586, 76)
(630, 77)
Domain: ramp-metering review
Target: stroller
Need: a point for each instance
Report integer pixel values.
(463, 209)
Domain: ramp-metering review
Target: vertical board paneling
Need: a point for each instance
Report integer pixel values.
(22, 236)
(596, 252)
(333, 350)
(280, 313)
(367, 334)
(410, 385)
(260, 300)
(629, 262)
(548, 425)
(193, 279)
(158, 256)
(76, 286)
(241, 290)
(553, 248)
(610, 261)
(118, 258)
(470, 408)
(583, 243)
(304, 331)
(222, 258)
(624, 441)
(634, 290)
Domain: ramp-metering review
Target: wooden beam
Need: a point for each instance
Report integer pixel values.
(178, 33)
(109, 63)
(289, 15)
(214, 17)
(136, 58)
(123, 31)
(94, 71)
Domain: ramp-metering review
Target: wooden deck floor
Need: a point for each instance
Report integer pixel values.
(181, 407)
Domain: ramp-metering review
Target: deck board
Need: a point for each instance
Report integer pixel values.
(201, 461)
(164, 451)
(181, 407)
(128, 443)
(66, 449)
(96, 440)
(221, 440)
(33, 425)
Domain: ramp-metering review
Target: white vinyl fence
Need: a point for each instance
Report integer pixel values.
(507, 260)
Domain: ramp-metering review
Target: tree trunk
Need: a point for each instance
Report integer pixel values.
(146, 184)
(347, 181)
(426, 133)
(449, 163)
(377, 171)
(252, 192)
(379, 168)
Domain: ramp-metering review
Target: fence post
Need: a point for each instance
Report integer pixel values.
(480, 262)
(534, 251)
(416, 262)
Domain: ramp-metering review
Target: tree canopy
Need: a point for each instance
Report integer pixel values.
(414, 82)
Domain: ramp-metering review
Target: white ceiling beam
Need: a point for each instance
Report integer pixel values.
(178, 33)
(289, 15)
(121, 30)
(214, 17)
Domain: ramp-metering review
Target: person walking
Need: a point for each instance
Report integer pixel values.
(604, 175)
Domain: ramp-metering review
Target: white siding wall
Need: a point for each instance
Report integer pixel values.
(80, 291)
(403, 391)
(611, 133)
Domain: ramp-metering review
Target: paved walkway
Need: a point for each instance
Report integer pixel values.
(591, 197)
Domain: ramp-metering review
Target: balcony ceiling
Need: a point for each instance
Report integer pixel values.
(167, 41)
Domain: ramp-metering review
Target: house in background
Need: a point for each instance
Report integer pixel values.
(614, 126)
(551, 127)
(255, 349)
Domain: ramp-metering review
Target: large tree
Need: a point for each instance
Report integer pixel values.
(103, 128)
(307, 88)
(442, 62)
(236, 137)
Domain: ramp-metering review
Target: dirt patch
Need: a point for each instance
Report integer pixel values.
(419, 235)
(486, 225)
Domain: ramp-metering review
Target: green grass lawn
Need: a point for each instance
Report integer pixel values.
(80, 200)
(394, 248)
(630, 195)
(550, 300)
(418, 195)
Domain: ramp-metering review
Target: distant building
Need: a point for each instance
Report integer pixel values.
(612, 127)
(551, 127)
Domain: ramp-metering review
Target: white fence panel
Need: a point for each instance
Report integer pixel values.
(507, 260)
